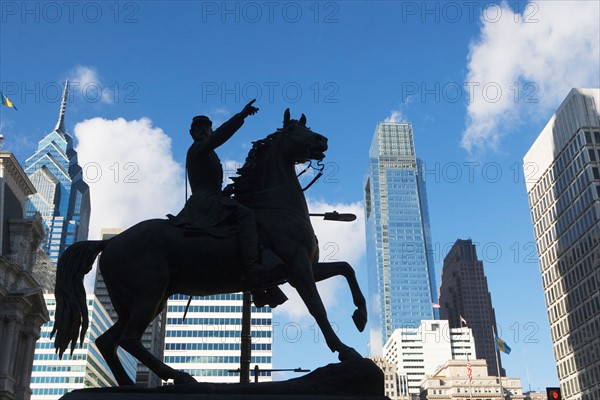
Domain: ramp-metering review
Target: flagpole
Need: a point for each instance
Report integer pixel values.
(496, 351)
(470, 388)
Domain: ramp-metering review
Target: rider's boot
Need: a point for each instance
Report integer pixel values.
(249, 251)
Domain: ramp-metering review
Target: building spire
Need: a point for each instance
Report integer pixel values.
(60, 125)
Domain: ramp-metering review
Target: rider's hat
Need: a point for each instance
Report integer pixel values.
(200, 120)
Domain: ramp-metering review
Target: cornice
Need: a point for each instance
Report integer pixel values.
(13, 173)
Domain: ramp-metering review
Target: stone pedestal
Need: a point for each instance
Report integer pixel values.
(352, 379)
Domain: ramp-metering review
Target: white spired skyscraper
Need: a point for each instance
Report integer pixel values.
(62, 198)
(401, 273)
(562, 168)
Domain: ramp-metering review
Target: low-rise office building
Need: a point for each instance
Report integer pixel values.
(452, 381)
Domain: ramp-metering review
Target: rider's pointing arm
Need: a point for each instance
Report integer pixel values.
(225, 131)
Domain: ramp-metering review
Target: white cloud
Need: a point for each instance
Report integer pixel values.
(338, 241)
(130, 170)
(552, 47)
(375, 329)
(85, 82)
(395, 116)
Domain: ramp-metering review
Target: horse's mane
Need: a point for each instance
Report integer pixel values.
(247, 174)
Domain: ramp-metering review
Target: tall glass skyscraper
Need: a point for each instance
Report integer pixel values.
(562, 168)
(62, 198)
(402, 288)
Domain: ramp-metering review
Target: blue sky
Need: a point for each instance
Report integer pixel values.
(478, 81)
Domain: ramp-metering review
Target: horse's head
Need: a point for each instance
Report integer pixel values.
(290, 145)
(301, 142)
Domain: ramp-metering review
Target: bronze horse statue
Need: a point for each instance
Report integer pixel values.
(149, 262)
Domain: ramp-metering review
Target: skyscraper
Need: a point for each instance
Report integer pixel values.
(52, 377)
(207, 343)
(62, 197)
(563, 184)
(402, 287)
(464, 294)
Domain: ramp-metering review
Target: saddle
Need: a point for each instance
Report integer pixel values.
(272, 295)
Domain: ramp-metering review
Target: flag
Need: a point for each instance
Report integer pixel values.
(469, 370)
(462, 320)
(6, 101)
(502, 346)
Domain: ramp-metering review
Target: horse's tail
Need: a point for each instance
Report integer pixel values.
(71, 307)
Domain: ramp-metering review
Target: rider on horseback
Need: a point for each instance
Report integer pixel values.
(208, 210)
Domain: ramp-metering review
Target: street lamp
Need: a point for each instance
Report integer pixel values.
(335, 216)
(257, 370)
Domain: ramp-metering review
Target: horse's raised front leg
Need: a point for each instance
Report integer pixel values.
(326, 270)
(301, 278)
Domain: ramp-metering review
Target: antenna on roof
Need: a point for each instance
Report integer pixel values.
(60, 125)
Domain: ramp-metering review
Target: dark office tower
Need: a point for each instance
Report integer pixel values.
(154, 335)
(563, 184)
(464, 293)
(62, 198)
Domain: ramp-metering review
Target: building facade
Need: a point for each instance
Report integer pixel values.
(535, 396)
(207, 343)
(62, 198)
(563, 186)
(153, 338)
(22, 307)
(53, 377)
(390, 378)
(451, 381)
(417, 352)
(402, 288)
(464, 293)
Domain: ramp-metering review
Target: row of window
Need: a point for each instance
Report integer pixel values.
(48, 392)
(221, 334)
(580, 340)
(217, 321)
(219, 372)
(559, 173)
(215, 359)
(213, 309)
(569, 204)
(559, 170)
(549, 249)
(214, 346)
(217, 297)
(57, 379)
(588, 220)
(569, 263)
(66, 357)
(58, 368)
(587, 378)
(568, 213)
